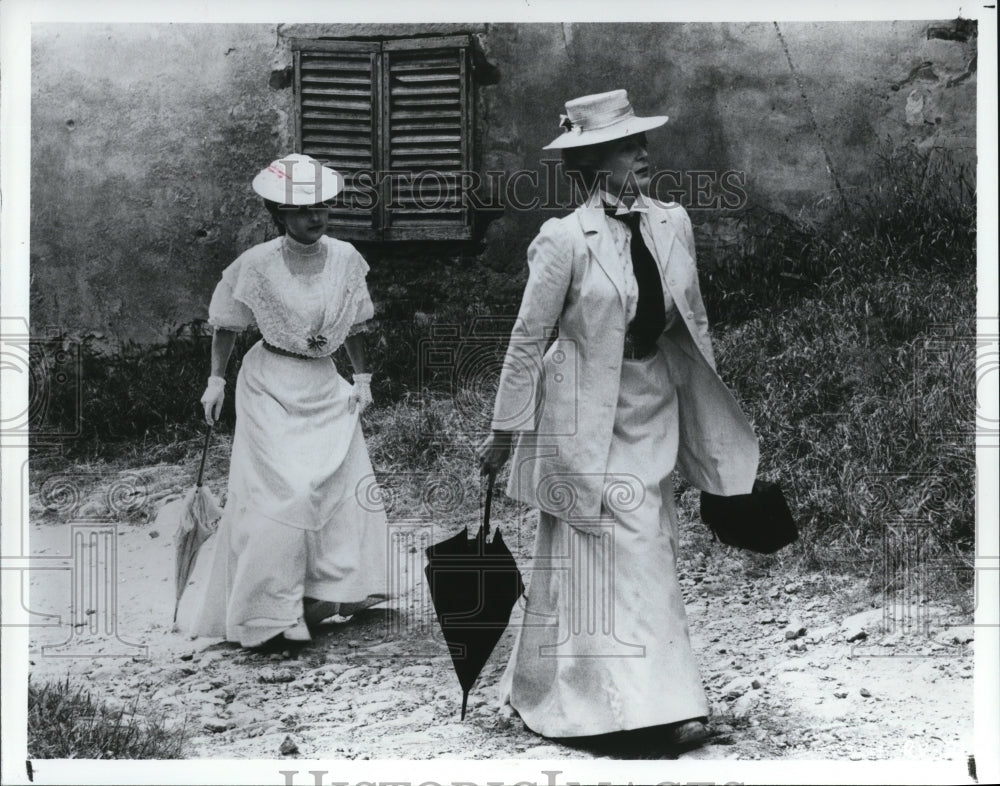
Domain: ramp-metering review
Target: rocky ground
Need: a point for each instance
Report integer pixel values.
(797, 666)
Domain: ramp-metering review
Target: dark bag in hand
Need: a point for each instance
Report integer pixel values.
(759, 521)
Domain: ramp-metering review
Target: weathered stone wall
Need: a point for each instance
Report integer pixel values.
(145, 138)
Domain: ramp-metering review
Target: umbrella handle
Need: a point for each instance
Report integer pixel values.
(204, 454)
(485, 530)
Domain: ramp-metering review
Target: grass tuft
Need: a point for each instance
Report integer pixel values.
(64, 722)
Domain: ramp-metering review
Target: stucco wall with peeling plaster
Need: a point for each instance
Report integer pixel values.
(145, 138)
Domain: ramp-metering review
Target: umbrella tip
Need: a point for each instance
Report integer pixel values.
(465, 701)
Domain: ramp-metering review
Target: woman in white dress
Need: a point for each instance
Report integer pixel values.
(302, 536)
(595, 424)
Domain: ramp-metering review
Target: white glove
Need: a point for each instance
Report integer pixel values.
(361, 392)
(212, 399)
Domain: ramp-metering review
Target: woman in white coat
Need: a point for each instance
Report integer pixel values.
(595, 424)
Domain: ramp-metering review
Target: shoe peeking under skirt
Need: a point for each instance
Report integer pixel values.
(687, 734)
(298, 632)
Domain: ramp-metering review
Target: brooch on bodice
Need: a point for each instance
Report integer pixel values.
(316, 342)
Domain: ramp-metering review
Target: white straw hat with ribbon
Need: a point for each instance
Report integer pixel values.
(590, 120)
(297, 179)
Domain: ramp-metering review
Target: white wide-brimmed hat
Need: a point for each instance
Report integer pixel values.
(590, 120)
(298, 179)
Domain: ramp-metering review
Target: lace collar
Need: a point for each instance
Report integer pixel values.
(303, 257)
(294, 250)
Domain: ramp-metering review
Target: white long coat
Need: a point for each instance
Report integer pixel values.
(561, 402)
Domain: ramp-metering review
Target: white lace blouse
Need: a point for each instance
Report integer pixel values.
(304, 299)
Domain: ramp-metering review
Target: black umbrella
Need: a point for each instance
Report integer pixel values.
(759, 521)
(474, 585)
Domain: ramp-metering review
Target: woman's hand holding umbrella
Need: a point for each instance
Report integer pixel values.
(212, 398)
(494, 451)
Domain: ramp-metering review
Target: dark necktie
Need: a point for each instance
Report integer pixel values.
(650, 314)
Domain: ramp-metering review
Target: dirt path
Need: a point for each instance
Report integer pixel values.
(796, 667)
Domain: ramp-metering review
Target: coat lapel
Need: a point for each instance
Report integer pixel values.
(664, 238)
(672, 257)
(601, 244)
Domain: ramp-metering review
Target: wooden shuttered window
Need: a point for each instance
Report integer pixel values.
(394, 117)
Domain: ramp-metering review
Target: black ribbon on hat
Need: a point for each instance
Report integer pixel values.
(568, 125)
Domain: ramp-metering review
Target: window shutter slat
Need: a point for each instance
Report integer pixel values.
(426, 89)
(428, 125)
(454, 138)
(428, 114)
(444, 79)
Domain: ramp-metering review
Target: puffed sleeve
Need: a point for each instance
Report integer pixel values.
(550, 264)
(225, 311)
(365, 309)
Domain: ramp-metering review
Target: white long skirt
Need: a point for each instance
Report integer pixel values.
(303, 516)
(604, 645)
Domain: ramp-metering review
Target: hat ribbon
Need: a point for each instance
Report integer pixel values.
(278, 171)
(568, 125)
(598, 121)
